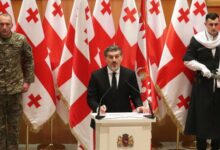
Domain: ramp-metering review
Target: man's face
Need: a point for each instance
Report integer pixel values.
(113, 59)
(5, 26)
(212, 26)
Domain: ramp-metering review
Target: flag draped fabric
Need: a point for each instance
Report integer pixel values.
(156, 33)
(39, 101)
(156, 36)
(104, 32)
(55, 32)
(198, 11)
(6, 7)
(174, 78)
(142, 60)
(79, 118)
(65, 68)
(126, 36)
(72, 79)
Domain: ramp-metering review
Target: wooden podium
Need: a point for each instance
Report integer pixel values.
(123, 131)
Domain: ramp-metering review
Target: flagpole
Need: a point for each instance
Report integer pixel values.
(177, 138)
(51, 146)
(27, 137)
(51, 133)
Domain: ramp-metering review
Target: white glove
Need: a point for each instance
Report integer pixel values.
(195, 65)
(206, 72)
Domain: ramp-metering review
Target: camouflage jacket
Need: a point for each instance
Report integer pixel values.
(16, 64)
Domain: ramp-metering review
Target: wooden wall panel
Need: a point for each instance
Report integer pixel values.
(162, 131)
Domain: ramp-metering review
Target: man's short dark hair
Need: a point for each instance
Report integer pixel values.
(112, 48)
(211, 16)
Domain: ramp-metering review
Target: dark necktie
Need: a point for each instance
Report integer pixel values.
(114, 82)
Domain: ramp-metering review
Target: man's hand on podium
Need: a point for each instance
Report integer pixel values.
(103, 109)
(142, 109)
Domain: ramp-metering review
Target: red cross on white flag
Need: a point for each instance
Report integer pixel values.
(72, 79)
(55, 32)
(174, 78)
(104, 32)
(39, 101)
(198, 11)
(6, 7)
(65, 67)
(156, 36)
(79, 118)
(142, 61)
(126, 36)
(156, 33)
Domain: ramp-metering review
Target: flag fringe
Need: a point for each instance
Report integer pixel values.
(157, 114)
(62, 98)
(157, 111)
(36, 130)
(169, 110)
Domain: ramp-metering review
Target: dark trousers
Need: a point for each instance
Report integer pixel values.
(10, 112)
(202, 144)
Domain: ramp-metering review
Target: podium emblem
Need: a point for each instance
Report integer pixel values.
(125, 140)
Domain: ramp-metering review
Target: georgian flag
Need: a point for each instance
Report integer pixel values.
(65, 68)
(142, 61)
(6, 7)
(126, 36)
(156, 36)
(104, 32)
(39, 101)
(156, 33)
(72, 79)
(174, 79)
(198, 11)
(55, 32)
(79, 118)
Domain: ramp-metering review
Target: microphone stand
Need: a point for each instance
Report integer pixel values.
(151, 116)
(98, 116)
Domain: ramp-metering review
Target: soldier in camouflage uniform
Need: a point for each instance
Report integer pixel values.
(16, 74)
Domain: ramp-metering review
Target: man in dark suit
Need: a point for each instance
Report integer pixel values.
(115, 85)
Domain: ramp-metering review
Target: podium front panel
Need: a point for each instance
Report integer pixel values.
(123, 134)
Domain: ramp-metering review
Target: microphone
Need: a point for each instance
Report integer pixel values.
(151, 116)
(98, 116)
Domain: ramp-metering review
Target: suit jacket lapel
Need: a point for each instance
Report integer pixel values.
(106, 78)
